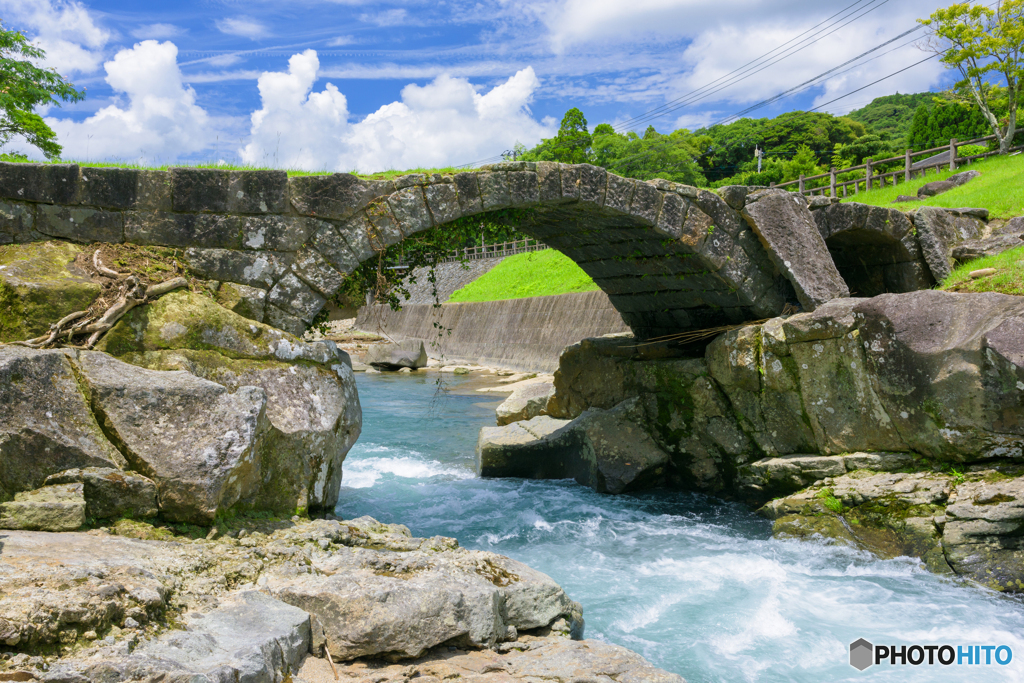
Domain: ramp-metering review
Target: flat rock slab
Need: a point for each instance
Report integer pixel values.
(110, 493)
(405, 354)
(59, 507)
(551, 658)
(400, 604)
(525, 403)
(248, 637)
(787, 230)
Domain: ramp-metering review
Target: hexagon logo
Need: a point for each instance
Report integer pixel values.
(862, 654)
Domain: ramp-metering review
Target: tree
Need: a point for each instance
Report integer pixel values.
(980, 43)
(570, 146)
(25, 86)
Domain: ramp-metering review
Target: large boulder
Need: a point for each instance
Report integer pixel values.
(524, 403)
(201, 444)
(939, 186)
(788, 232)
(46, 424)
(608, 450)
(939, 231)
(409, 353)
(1008, 236)
(312, 405)
(39, 285)
(400, 604)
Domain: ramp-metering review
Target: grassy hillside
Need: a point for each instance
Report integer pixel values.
(1000, 189)
(538, 273)
(1008, 278)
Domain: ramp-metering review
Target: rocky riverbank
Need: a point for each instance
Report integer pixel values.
(256, 597)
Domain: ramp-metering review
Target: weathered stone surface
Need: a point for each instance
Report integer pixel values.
(110, 493)
(46, 425)
(939, 231)
(201, 445)
(607, 450)
(248, 302)
(315, 271)
(400, 604)
(257, 191)
(981, 532)
(314, 415)
(39, 285)
(786, 228)
(333, 247)
(199, 189)
(124, 188)
(80, 224)
(17, 223)
(531, 658)
(59, 507)
(940, 186)
(338, 196)
(183, 229)
(294, 296)
(525, 403)
(405, 354)
(49, 183)
(284, 321)
(255, 269)
(1009, 236)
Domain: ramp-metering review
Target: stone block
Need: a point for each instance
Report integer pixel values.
(549, 182)
(248, 302)
(593, 184)
(671, 217)
(80, 224)
(647, 201)
(571, 178)
(17, 222)
(256, 269)
(409, 353)
(523, 188)
(277, 233)
(315, 271)
(275, 317)
(110, 493)
(124, 188)
(494, 190)
(722, 216)
(51, 508)
(258, 192)
(619, 195)
(410, 180)
(333, 247)
(443, 200)
(409, 208)
(200, 190)
(384, 229)
(470, 202)
(49, 183)
(356, 234)
(294, 296)
(338, 196)
(182, 229)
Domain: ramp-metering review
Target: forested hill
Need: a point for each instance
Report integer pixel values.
(791, 144)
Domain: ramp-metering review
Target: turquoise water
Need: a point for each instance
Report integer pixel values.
(696, 585)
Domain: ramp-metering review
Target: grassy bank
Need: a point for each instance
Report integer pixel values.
(1000, 189)
(538, 273)
(1008, 278)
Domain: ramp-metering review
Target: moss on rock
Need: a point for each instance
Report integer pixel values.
(39, 285)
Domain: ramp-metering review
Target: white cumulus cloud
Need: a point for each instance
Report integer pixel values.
(65, 30)
(159, 121)
(443, 123)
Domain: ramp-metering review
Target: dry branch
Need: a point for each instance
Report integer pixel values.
(102, 269)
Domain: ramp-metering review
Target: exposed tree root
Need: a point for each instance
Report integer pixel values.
(102, 269)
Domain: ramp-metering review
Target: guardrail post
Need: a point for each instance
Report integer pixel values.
(906, 166)
(801, 183)
(952, 154)
(868, 180)
(832, 181)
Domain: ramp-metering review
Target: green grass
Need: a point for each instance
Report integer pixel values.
(1000, 189)
(537, 273)
(380, 175)
(1008, 278)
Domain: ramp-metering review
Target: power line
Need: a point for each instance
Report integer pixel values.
(626, 124)
(761, 67)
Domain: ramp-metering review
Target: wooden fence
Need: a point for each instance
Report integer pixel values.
(496, 250)
(909, 170)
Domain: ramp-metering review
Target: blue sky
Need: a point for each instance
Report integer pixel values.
(356, 85)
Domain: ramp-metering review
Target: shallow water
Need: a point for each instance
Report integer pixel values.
(696, 585)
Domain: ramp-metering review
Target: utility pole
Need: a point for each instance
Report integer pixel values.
(759, 153)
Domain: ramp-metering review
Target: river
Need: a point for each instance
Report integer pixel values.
(696, 585)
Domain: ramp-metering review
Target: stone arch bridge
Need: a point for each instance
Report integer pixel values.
(670, 257)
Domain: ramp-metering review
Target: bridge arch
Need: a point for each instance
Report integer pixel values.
(670, 257)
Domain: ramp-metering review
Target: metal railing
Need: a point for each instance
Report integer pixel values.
(910, 170)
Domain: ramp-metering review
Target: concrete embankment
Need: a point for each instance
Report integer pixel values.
(519, 334)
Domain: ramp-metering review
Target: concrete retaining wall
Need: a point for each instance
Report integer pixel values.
(518, 334)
